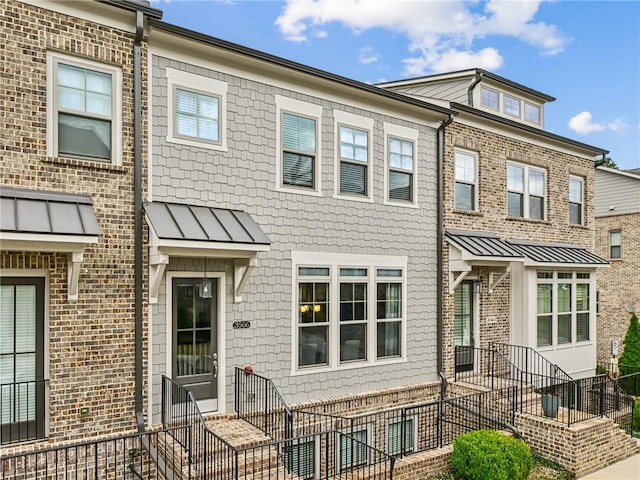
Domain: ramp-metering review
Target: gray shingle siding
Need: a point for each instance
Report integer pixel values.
(244, 178)
(616, 190)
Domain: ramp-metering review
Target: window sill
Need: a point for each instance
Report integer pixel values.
(391, 203)
(461, 211)
(347, 366)
(353, 198)
(299, 191)
(529, 220)
(221, 147)
(77, 162)
(580, 227)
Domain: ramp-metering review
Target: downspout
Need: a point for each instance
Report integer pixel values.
(137, 194)
(475, 82)
(439, 248)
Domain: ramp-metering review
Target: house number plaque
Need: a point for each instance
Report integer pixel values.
(241, 324)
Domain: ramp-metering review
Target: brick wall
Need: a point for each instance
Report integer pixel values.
(494, 150)
(618, 285)
(90, 358)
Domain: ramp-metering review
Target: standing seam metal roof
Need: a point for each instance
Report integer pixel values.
(554, 253)
(483, 244)
(174, 221)
(34, 211)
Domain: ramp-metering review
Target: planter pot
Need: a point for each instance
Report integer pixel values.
(550, 404)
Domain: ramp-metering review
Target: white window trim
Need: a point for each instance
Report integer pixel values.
(402, 133)
(619, 245)
(335, 261)
(414, 433)
(367, 427)
(53, 58)
(581, 180)
(492, 90)
(524, 114)
(346, 119)
(197, 84)
(504, 105)
(297, 107)
(526, 194)
(475, 156)
(574, 281)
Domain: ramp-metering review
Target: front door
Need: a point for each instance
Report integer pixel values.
(463, 326)
(195, 326)
(22, 382)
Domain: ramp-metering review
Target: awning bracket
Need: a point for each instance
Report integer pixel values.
(496, 277)
(157, 264)
(241, 274)
(75, 262)
(455, 281)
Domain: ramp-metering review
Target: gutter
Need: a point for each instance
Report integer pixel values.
(137, 193)
(476, 81)
(439, 248)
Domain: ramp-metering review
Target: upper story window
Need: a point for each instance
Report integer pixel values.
(526, 191)
(490, 98)
(84, 111)
(511, 105)
(465, 180)
(400, 169)
(531, 112)
(299, 162)
(197, 116)
(575, 200)
(354, 161)
(615, 244)
(298, 150)
(353, 167)
(196, 107)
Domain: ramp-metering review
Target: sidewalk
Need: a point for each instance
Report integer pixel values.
(628, 469)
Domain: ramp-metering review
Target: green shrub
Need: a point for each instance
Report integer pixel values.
(629, 361)
(486, 454)
(636, 416)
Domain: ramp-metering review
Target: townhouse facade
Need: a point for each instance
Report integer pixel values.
(518, 261)
(308, 202)
(617, 218)
(68, 325)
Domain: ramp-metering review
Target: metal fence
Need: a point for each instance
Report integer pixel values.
(416, 428)
(125, 457)
(22, 411)
(258, 401)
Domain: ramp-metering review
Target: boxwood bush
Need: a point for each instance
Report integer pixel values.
(487, 454)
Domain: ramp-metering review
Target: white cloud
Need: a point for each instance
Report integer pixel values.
(368, 55)
(581, 123)
(441, 34)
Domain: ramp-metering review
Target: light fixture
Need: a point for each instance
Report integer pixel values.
(204, 288)
(316, 308)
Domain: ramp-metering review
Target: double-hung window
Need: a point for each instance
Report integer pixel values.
(401, 436)
(400, 169)
(84, 109)
(490, 98)
(465, 180)
(563, 307)
(300, 458)
(575, 200)
(526, 191)
(298, 146)
(348, 314)
(196, 106)
(615, 244)
(313, 315)
(354, 161)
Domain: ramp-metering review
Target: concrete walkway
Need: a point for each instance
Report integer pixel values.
(628, 469)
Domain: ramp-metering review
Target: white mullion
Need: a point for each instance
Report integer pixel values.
(334, 318)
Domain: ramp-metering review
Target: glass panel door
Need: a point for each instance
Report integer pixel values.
(463, 326)
(22, 384)
(195, 355)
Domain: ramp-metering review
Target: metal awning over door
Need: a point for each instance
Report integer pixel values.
(201, 231)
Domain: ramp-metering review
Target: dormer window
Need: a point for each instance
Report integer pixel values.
(490, 98)
(511, 106)
(531, 113)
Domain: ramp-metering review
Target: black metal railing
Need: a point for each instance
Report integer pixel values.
(125, 457)
(22, 411)
(211, 456)
(490, 368)
(258, 402)
(530, 362)
(420, 427)
(628, 376)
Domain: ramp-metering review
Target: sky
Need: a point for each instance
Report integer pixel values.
(586, 54)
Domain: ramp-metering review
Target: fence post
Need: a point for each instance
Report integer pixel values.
(602, 397)
(439, 428)
(403, 443)
(493, 361)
